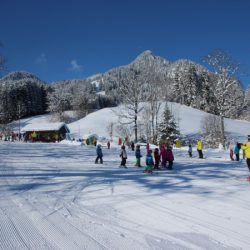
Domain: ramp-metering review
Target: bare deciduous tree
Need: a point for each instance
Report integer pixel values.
(153, 96)
(110, 130)
(211, 130)
(131, 93)
(226, 69)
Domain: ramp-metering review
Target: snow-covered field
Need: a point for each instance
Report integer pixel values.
(188, 119)
(53, 196)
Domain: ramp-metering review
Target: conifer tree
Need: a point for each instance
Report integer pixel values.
(168, 130)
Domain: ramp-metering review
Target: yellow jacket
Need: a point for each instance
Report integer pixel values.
(33, 135)
(246, 147)
(199, 145)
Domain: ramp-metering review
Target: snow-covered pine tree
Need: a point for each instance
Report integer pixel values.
(168, 130)
(188, 85)
(206, 100)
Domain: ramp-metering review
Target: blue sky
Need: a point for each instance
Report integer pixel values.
(74, 39)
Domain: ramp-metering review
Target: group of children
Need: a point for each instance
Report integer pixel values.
(161, 159)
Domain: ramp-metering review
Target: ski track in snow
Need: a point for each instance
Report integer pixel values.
(53, 196)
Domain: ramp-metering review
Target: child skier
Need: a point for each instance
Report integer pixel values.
(157, 158)
(163, 156)
(190, 150)
(170, 157)
(237, 151)
(123, 156)
(99, 154)
(149, 162)
(138, 156)
(231, 151)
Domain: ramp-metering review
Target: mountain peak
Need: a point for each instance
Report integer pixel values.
(147, 59)
(145, 55)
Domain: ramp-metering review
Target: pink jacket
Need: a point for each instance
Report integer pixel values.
(163, 153)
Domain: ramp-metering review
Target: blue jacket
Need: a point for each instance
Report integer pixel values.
(99, 151)
(149, 160)
(137, 153)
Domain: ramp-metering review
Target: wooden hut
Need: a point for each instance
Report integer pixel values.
(48, 132)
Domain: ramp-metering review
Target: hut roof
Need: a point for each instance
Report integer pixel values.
(45, 127)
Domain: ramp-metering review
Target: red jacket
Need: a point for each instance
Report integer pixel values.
(157, 156)
(169, 156)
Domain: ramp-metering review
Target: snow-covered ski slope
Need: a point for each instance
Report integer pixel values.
(53, 196)
(188, 119)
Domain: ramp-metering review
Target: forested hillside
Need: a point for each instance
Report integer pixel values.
(22, 94)
(183, 81)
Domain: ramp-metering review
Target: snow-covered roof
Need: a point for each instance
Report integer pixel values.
(45, 127)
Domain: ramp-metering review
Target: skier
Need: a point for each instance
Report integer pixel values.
(149, 162)
(190, 150)
(33, 136)
(237, 151)
(170, 157)
(123, 156)
(132, 146)
(231, 151)
(99, 154)
(138, 156)
(108, 144)
(246, 147)
(163, 154)
(199, 148)
(157, 158)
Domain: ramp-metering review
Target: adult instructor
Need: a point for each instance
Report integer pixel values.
(246, 147)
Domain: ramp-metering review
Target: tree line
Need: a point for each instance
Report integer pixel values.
(149, 79)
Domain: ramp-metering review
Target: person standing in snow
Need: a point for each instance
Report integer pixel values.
(33, 136)
(170, 157)
(199, 148)
(138, 156)
(149, 162)
(157, 158)
(108, 144)
(190, 150)
(132, 146)
(123, 156)
(231, 151)
(163, 155)
(99, 154)
(246, 147)
(237, 151)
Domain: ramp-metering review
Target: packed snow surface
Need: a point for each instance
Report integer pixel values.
(53, 196)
